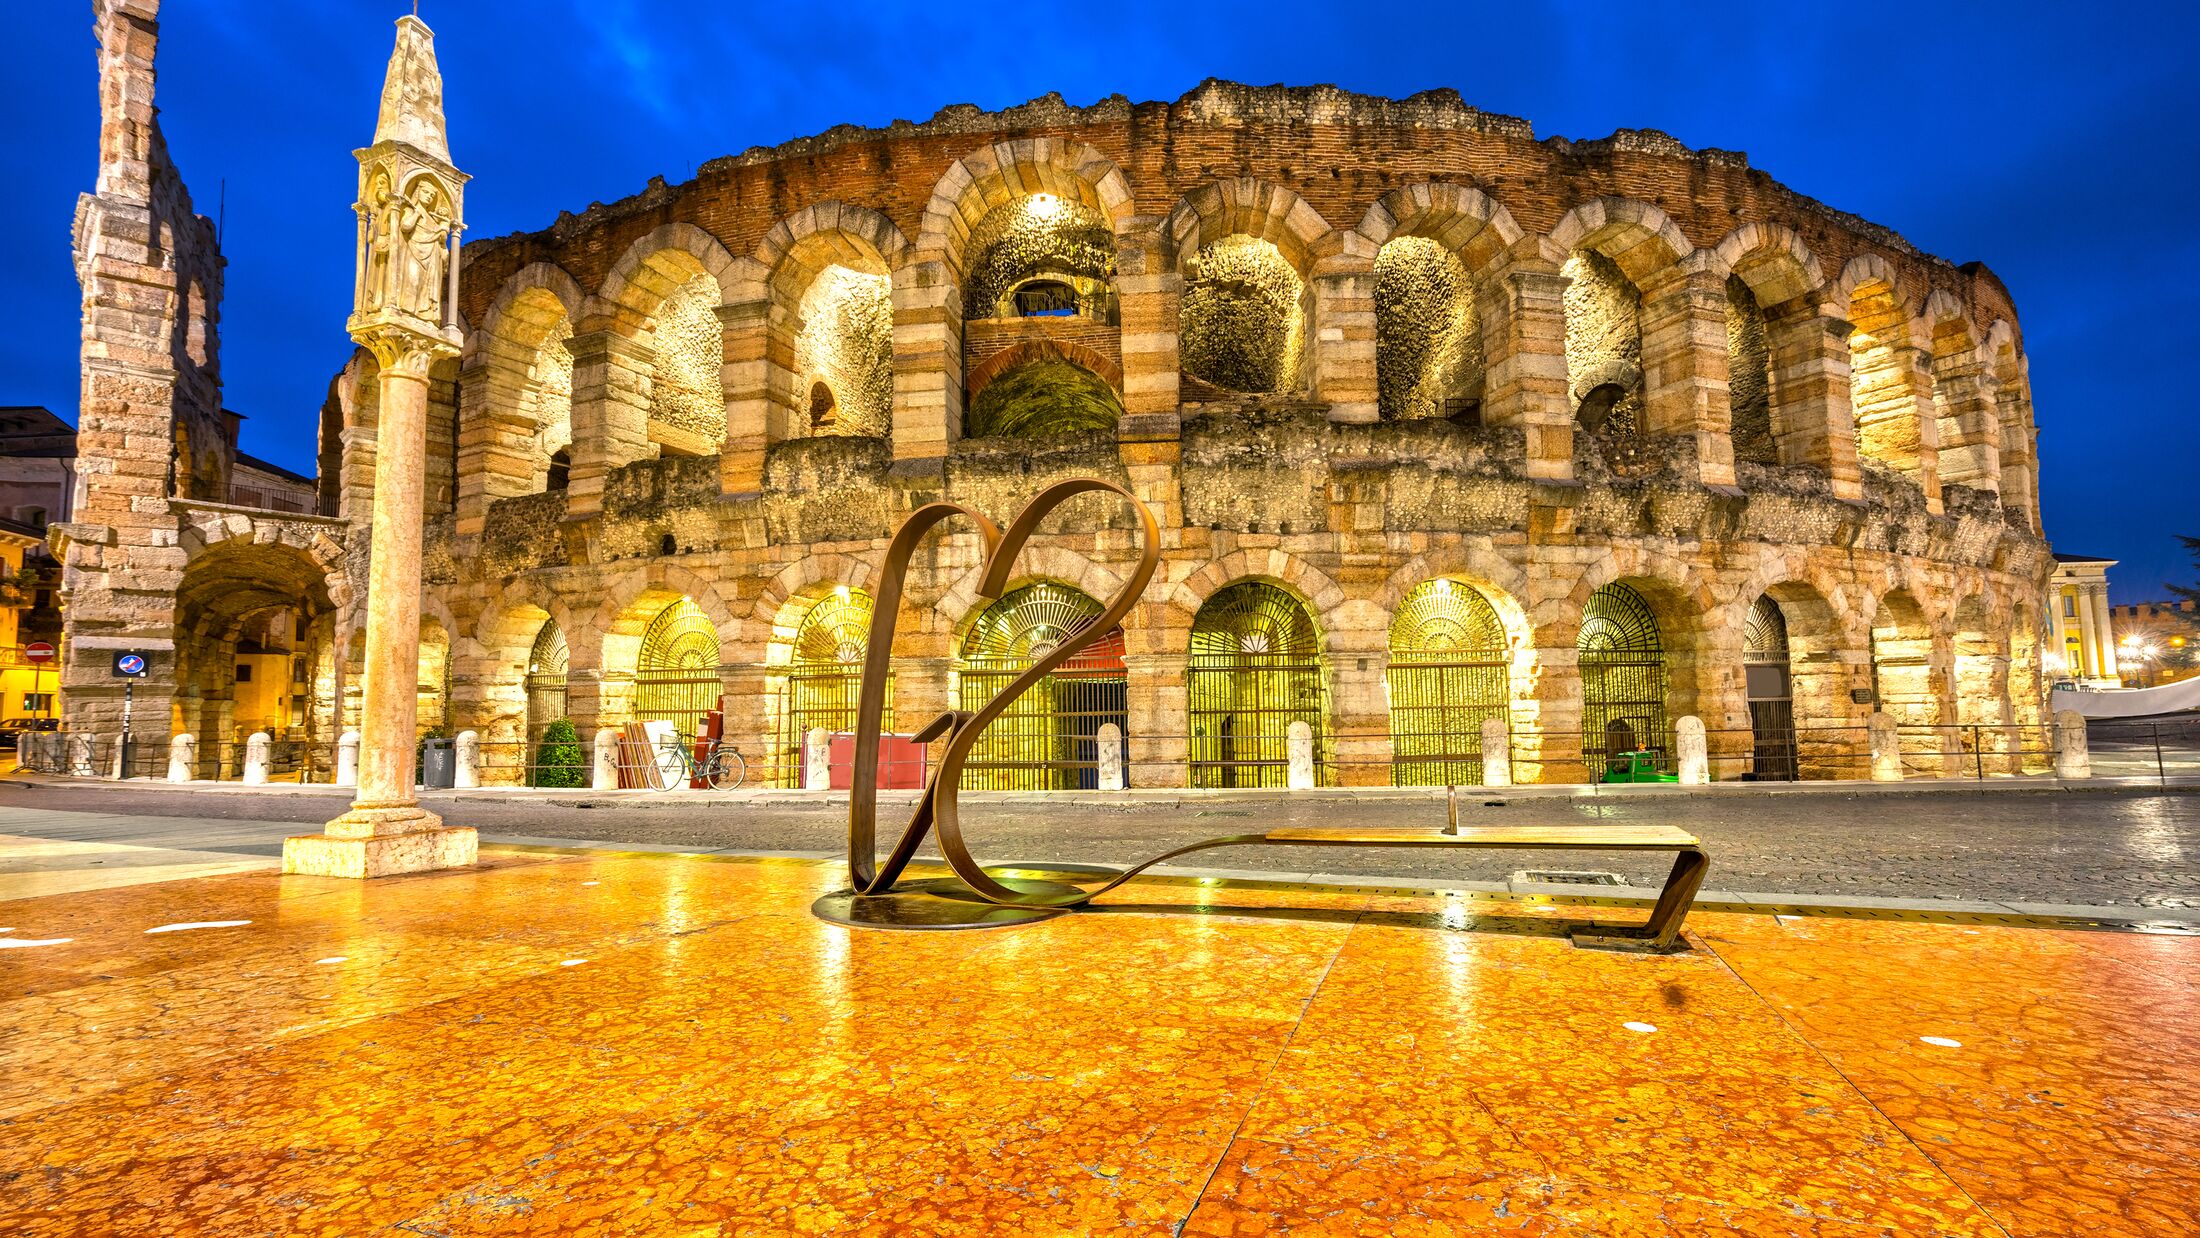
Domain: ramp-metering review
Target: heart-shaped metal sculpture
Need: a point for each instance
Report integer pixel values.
(938, 809)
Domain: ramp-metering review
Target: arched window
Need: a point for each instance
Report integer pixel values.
(1255, 669)
(1450, 670)
(546, 662)
(825, 676)
(1049, 737)
(1623, 679)
(1771, 692)
(824, 409)
(1045, 298)
(561, 469)
(676, 675)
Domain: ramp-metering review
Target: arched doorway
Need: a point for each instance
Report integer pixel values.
(1771, 688)
(676, 673)
(824, 676)
(545, 680)
(433, 688)
(1903, 682)
(1623, 678)
(1049, 737)
(1255, 668)
(1450, 671)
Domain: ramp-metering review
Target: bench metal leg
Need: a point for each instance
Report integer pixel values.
(1664, 927)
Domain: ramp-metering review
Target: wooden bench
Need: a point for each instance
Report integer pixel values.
(1660, 933)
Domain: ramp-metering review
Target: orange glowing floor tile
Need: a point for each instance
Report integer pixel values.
(599, 1044)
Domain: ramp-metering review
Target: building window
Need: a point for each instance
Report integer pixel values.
(37, 702)
(2070, 605)
(244, 672)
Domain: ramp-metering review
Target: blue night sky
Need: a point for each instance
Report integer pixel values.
(2053, 142)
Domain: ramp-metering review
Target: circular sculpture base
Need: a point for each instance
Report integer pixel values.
(941, 903)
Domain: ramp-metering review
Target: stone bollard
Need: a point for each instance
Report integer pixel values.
(468, 773)
(256, 749)
(347, 759)
(606, 776)
(1109, 756)
(80, 755)
(1886, 749)
(1299, 747)
(1497, 753)
(1692, 749)
(2073, 755)
(817, 760)
(183, 753)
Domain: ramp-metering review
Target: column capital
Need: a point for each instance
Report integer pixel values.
(401, 351)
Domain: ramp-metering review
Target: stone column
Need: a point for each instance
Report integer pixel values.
(1344, 346)
(1684, 365)
(1496, 753)
(921, 691)
(1360, 712)
(1524, 336)
(1155, 703)
(1813, 419)
(386, 830)
(2107, 630)
(2089, 637)
(612, 375)
(746, 375)
(928, 378)
(1149, 303)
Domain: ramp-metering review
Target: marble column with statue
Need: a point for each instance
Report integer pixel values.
(403, 313)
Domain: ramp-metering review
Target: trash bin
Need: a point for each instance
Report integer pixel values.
(438, 765)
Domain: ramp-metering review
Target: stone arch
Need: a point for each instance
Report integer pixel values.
(1907, 682)
(1617, 251)
(516, 389)
(816, 307)
(1772, 279)
(1772, 259)
(1459, 652)
(1324, 597)
(1257, 666)
(1466, 221)
(1007, 170)
(1246, 318)
(655, 331)
(1969, 422)
(803, 692)
(1045, 388)
(1823, 654)
(1678, 605)
(1245, 206)
(1017, 355)
(240, 574)
(2003, 355)
(1980, 680)
(959, 605)
(1890, 378)
(504, 636)
(807, 577)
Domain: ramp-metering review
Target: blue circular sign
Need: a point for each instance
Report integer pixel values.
(130, 664)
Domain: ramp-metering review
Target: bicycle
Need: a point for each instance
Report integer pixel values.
(721, 767)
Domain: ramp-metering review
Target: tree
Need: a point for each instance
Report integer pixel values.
(558, 761)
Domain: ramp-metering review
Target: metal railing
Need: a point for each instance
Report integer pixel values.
(2157, 751)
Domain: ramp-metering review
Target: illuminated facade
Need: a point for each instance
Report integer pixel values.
(2077, 598)
(1443, 424)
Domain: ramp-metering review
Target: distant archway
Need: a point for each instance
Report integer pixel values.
(676, 672)
(1624, 681)
(1450, 671)
(1048, 739)
(1255, 668)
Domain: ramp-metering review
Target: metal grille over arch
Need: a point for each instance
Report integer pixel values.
(1771, 692)
(1049, 738)
(1450, 670)
(1255, 668)
(546, 665)
(1623, 678)
(825, 676)
(676, 675)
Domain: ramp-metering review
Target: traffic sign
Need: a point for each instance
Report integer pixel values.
(38, 651)
(130, 664)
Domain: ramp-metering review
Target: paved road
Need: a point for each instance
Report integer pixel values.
(2050, 847)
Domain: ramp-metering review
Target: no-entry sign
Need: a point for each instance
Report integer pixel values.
(38, 651)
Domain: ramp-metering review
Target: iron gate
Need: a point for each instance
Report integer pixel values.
(1771, 693)
(1450, 671)
(825, 679)
(1255, 668)
(1048, 738)
(676, 675)
(1623, 679)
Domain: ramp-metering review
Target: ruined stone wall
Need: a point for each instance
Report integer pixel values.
(1519, 270)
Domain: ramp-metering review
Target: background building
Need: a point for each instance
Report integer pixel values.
(2078, 599)
(2157, 642)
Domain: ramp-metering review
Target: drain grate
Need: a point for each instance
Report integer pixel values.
(1568, 877)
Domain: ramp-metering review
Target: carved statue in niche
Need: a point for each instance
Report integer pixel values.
(381, 212)
(424, 233)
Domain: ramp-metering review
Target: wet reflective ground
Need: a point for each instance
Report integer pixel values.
(606, 1044)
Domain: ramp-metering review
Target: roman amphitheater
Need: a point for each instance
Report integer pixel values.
(1442, 422)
